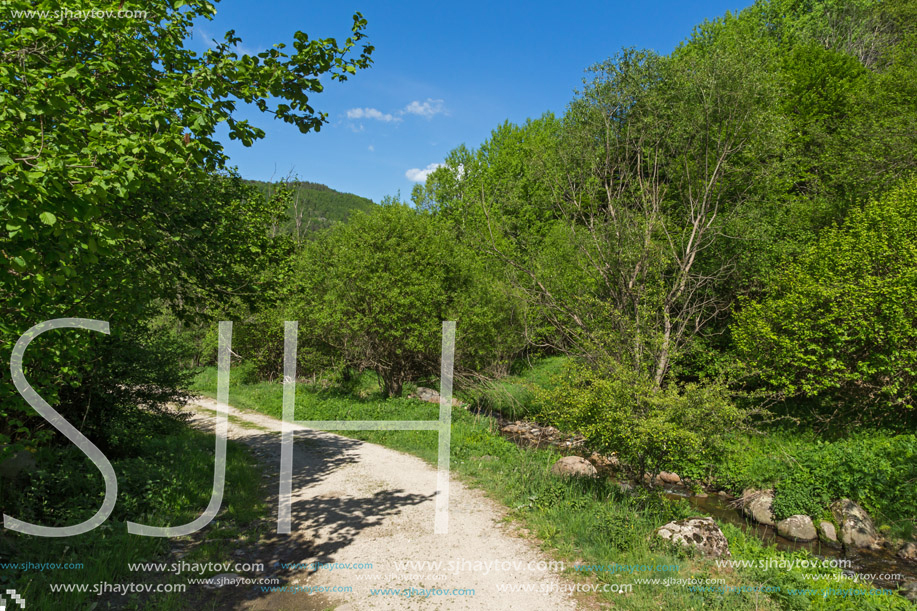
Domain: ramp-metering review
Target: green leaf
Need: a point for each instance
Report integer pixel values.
(47, 218)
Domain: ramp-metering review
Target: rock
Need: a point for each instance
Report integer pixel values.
(702, 533)
(827, 533)
(756, 504)
(221, 580)
(909, 590)
(575, 441)
(701, 495)
(797, 527)
(573, 465)
(530, 434)
(431, 396)
(20, 462)
(514, 429)
(856, 527)
(908, 551)
(668, 478)
(427, 394)
(604, 462)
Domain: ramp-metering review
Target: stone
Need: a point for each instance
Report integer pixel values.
(827, 533)
(700, 532)
(514, 429)
(756, 504)
(908, 551)
(668, 478)
(573, 465)
(599, 461)
(431, 396)
(427, 394)
(909, 590)
(797, 527)
(221, 580)
(856, 527)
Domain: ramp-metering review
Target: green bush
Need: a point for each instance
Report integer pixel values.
(840, 323)
(649, 428)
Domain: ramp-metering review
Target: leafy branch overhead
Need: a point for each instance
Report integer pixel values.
(115, 194)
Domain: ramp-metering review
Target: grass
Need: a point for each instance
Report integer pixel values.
(512, 395)
(579, 521)
(876, 468)
(166, 480)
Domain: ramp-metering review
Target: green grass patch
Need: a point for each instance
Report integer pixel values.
(512, 395)
(877, 469)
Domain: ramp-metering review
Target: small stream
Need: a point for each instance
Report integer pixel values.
(882, 563)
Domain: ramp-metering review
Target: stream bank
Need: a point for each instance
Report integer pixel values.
(886, 568)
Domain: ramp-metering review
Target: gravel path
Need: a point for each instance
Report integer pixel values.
(357, 502)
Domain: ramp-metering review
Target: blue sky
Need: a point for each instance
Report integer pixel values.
(444, 74)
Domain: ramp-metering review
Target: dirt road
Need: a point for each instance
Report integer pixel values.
(360, 504)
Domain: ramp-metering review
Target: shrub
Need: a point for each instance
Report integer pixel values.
(650, 428)
(840, 323)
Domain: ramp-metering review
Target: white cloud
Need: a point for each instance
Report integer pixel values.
(372, 149)
(418, 175)
(426, 109)
(371, 113)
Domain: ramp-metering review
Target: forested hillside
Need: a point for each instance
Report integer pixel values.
(311, 206)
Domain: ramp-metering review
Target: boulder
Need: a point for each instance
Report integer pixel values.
(797, 527)
(856, 527)
(908, 551)
(756, 504)
(427, 394)
(431, 396)
(702, 533)
(668, 478)
(909, 590)
(827, 533)
(604, 462)
(573, 466)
